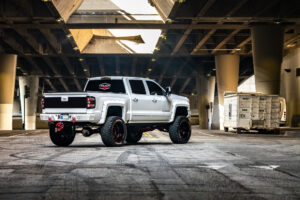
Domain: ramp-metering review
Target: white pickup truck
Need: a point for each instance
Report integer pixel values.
(119, 108)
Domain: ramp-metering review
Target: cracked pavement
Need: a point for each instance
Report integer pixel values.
(213, 165)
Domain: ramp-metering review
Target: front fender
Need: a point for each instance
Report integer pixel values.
(175, 106)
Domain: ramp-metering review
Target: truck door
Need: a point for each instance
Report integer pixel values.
(159, 102)
(140, 103)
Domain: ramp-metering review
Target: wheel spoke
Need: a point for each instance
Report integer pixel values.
(118, 132)
(184, 130)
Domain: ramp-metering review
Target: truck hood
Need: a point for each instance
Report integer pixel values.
(178, 97)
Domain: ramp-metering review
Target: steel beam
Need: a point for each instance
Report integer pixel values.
(185, 84)
(219, 23)
(61, 80)
(101, 65)
(66, 62)
(125, 26)
(186, 33)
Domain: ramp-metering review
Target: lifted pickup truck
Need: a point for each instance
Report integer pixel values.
(119, 108)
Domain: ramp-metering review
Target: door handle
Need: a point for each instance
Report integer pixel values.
(154, 100)
(135, 100)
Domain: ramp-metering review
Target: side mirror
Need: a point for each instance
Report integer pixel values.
(168, 91)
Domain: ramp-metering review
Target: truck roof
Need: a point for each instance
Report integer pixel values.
(117, 77)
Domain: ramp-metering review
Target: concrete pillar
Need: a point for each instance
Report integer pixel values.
(211, 96)
(248, 85)
(290, 85)
(7, 87)
(205, 94)
(215, 124)
(30, 103)
(16, 107)
(203, 100)
(227, 79)
(267, 47)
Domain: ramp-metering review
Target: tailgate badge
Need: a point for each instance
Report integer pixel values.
(64, 99)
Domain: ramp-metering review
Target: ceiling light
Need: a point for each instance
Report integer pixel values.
(149, 70)
(192, 94)
(46, 0)
(85, 70)
(75, 48)
(59, 20)
(163, 36)
(277, 21)
(291, 45)
(153, 59)
(169, 20)
(214, 69)
(156, 49)
(80, 59)
(208, 75)
(69, 35)
(238, 49)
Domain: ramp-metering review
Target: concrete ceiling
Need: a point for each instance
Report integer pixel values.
(193, 32)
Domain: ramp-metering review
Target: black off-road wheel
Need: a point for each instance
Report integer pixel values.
(180, 130)
(61, 134)
(134, 135)
(114, 132)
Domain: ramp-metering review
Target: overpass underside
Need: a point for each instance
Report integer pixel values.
(199, 48)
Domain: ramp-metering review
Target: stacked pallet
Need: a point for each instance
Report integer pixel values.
(251, 111)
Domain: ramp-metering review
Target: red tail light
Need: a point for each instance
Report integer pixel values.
(90, 102)
(43, 102)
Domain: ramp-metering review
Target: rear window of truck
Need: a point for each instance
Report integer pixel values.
(114, 86)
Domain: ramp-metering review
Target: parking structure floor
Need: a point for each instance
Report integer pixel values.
(213, 165)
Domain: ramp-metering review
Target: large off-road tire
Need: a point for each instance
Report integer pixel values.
(114, 132)
(134, 135)
(61, 134)
(180, 130)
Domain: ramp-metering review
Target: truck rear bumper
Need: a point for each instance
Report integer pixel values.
(92, 118)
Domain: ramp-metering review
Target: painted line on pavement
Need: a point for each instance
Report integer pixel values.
(207, 134)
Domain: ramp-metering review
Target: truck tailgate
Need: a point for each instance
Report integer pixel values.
(65, 103)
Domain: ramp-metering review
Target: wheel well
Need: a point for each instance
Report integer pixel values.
(114, 111)
(181, 111)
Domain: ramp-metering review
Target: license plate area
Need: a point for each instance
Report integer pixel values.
(63, 117)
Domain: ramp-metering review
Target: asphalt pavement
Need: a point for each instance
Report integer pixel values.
(213, 165)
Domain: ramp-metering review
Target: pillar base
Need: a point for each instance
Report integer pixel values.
(30, 122)
(6, 116)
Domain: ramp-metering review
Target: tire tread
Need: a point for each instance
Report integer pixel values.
(106, 135)
(173, 131)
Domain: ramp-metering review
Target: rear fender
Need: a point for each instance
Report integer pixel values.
(105, 107)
